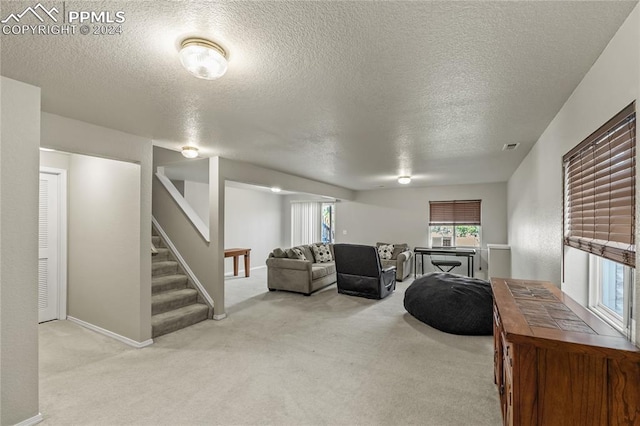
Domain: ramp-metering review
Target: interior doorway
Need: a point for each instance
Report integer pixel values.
(52, 245)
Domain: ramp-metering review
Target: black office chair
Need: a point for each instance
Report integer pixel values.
(442, 263)
(360, 272)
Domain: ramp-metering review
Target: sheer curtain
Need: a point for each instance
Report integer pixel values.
(306, 220)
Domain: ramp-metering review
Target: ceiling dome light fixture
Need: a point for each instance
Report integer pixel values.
(189, 151)
(203, 58)
(404, 180)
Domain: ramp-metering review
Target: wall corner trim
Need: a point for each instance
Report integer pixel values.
(31, 421)
(125, 340)
(219, 317)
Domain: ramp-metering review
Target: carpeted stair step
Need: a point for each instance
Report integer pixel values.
(168, 283)
(165, 267)
(162, 255)
(157, 241)
(178, 318)
(170, 300)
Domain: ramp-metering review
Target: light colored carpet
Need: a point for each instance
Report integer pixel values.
(279, 359)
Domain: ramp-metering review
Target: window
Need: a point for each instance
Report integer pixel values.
(599, 213)
(454, 223)
(599, 191)
(312, 222)
(328, 222)
(610, 290)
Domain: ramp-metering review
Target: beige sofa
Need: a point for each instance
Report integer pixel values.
(300, 276)
(402, 259)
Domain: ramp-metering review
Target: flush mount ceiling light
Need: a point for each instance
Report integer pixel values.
(203, 58)
(275, 189)
(189, 151)
(404, 180)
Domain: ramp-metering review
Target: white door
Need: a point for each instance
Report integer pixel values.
(48, 285)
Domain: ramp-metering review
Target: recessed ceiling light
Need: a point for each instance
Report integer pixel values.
(203, 58)
(47, 149)
(189, 151)
(404, 180)
(275, 189)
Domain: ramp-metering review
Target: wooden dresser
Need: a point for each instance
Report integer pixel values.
(556, 363)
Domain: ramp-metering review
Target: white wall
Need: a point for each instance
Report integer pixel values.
(252, 220)
(197, 195)
(535, 189)
(19, 141)
(56, 160)
(402, 216)
(102, 265)
(104, 228)
(77, 137)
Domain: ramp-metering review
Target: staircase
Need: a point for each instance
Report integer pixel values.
(175, 304)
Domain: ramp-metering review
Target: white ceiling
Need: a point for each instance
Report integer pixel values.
(348, 93)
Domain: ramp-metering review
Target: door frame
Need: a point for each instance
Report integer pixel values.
(62, 238)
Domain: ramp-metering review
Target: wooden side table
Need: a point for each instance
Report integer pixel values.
(236, 253)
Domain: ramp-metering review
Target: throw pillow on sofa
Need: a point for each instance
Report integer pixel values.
(296, 253)
(322, 253)
(385, 251)
(397, 248)
(279, 253)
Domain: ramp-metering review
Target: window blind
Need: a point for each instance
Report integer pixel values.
(458, 212)
(305, 223)
(599, 191)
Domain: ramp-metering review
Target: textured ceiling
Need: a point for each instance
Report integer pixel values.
(349, 93)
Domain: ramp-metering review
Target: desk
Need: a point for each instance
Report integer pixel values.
(469, 253)
(236, 253)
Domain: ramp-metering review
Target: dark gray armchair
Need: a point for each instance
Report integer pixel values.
(360, 272)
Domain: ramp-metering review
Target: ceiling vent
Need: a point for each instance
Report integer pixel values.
(510, 146)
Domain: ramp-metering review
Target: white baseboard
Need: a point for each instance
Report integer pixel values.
(241, 271)
(125, 340)
(219, 317)
(31, 421)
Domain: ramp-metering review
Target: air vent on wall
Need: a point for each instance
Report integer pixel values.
(510, 146)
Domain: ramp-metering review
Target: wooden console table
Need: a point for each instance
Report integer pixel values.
(236, 253)
(556, 363)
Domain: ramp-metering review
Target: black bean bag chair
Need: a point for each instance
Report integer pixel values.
(451, 303)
